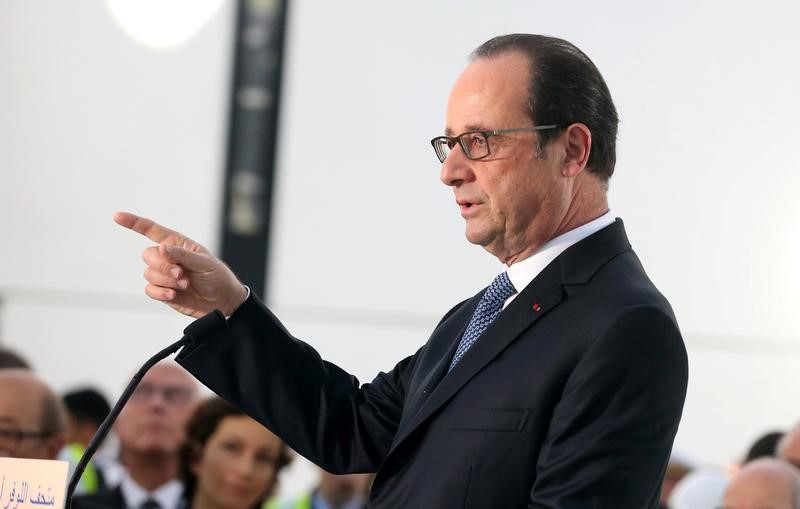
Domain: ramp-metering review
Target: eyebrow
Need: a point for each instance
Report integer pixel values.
(467, 129)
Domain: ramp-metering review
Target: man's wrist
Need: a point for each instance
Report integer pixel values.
(244, 296)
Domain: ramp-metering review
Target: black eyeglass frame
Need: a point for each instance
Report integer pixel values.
(16, 436)
(450, 141)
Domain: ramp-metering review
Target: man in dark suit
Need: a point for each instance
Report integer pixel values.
(561, 385)
(150, 431)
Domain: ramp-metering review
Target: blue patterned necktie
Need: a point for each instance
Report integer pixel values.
(488, 309)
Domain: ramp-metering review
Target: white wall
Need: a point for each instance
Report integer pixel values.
(705, 180)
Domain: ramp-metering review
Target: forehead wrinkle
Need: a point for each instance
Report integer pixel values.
(480, 125)
(493, 89)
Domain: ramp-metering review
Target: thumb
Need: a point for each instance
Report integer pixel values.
(187, 258)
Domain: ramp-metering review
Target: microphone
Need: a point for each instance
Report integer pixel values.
(196, 333)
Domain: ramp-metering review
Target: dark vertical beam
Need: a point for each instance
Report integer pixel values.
(252, 142)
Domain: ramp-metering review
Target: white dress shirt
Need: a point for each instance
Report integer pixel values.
(168, 495)
(523, 272)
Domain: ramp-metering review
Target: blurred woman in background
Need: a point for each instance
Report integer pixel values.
(229, 461)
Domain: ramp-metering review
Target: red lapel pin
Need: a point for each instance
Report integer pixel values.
(536, 307)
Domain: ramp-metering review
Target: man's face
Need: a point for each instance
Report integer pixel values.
(154, 419)
(515, 199)
(764, 489)
(21, 407)
(789, 447)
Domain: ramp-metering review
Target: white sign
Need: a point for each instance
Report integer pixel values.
(28, 484)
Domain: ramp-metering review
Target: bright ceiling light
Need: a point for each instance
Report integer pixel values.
(162, 24)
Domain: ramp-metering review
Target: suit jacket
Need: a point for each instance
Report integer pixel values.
(104, 499)
(110, 499)
(570, 399)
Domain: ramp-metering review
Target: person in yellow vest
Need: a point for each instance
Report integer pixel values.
(86, 410)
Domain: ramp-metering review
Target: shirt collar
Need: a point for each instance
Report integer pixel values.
(168, 495)
(523, 272)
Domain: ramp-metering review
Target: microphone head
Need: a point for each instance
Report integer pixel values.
(205, 327)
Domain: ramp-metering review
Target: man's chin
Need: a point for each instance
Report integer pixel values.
(476, 236)
(482, 238)
(156, 448)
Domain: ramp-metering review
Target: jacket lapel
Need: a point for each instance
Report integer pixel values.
(437, 360)
(576, 265)
(544, 291)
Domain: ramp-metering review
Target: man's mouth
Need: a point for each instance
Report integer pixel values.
(466, 206)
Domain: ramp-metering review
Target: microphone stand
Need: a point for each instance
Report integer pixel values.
(193, 334)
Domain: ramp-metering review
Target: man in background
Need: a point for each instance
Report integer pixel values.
(11, 359)
(765, 483)
(765, 446)
(788, 448)
(150, 430)
(32, 422)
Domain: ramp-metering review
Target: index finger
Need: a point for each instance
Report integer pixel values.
(144, 226)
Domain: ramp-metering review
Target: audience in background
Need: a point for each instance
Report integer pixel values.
(11, 359)
(789, 446)
(229, 461)
(677, 468)
(764, 483)
(32, 422)
(150, 430)
(702, 488)
(86, 410)
(349, 491)
(765, 446)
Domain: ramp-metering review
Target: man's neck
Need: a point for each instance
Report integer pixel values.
(152, 470)
(576, 216)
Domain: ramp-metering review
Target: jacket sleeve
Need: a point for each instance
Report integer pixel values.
(612, 431)
(316, 407)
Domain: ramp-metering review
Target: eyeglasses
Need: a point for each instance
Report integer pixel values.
(475, 144)
(13, 437)
(172, 394)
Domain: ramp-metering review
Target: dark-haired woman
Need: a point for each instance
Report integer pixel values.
(229, 461)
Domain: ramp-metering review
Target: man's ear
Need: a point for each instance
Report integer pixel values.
(54, 444)
(577, 147)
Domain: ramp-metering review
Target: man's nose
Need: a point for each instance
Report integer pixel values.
(158, 400)
(456, 168)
